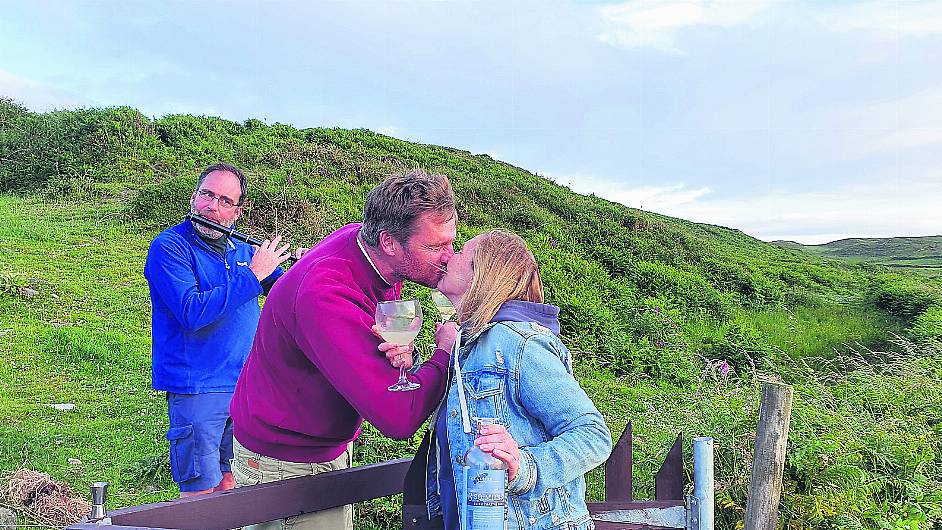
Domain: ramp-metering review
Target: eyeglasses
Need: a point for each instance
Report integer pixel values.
(224, 202)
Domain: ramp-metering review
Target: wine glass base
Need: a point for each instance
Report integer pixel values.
(404, 387)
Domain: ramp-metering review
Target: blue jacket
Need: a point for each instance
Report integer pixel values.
(205, 311)
(517, 370)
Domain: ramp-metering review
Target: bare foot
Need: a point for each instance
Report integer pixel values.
(194, 493)
(227, 483)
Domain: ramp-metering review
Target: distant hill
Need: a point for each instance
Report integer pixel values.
(899, 252)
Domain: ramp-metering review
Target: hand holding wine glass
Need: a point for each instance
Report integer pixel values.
(396, 354)
(399, 322)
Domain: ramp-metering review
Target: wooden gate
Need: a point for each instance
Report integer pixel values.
(277, 500)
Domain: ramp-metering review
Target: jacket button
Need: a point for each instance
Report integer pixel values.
(458, 460)
(454, 413)
(533, 520)
(555, 518)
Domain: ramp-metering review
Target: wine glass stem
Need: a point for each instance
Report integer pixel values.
(402, 376)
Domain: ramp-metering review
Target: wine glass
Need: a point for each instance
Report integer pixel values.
(399, 322)
(446, 310)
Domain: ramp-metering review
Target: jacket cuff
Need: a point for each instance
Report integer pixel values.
(253, 280)
(526, 475)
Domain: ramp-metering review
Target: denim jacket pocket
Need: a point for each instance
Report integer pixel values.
(542, 512)
(485, 390)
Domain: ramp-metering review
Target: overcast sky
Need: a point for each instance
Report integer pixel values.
(808, 121)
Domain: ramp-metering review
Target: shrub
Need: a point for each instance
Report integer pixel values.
(901, 297)
(163, 204)
(11, 284)
(738, 342)
(928, 325)
(688, 290)
(642, 293)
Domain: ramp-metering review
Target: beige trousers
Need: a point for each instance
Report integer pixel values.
(249, 468)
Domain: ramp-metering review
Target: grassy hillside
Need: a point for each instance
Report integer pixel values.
(654, 305)
(919, 254)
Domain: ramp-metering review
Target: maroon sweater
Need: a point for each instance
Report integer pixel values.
(314, 372)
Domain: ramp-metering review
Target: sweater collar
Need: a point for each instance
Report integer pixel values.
(369, 259)
(191, 233)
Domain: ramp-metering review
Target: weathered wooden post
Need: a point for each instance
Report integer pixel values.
(765, 484)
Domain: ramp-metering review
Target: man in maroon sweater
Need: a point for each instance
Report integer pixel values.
(315, 372)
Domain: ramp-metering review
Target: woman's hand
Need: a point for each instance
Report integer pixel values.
(397, 354)
(445, 335)
(496, 440)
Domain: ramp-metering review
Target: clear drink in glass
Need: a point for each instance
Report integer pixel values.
(399, 322)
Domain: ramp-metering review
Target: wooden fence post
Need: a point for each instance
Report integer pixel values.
(765, 484)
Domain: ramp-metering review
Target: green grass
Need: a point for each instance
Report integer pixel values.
(82, 338)
(806, 332)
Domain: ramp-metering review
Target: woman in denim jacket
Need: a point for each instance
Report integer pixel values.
(512, 366)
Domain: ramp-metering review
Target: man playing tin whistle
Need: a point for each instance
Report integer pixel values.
(204, 290)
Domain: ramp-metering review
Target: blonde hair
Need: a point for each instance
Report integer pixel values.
(504, 269)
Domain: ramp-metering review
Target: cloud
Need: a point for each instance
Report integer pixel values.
(905, 128)
(652, 198)
(893, 142)
(388, 130)
(658, 198)
(858, 210)
(875, 210)
(890, 18)
(37, 96)
(656, 24)
(892, 127)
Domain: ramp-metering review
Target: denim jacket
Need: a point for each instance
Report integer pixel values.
(521, 373)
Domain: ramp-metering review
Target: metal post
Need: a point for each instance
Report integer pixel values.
(99, 493)
(703, 491)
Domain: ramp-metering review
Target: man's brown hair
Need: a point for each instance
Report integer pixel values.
(396, 204)
(222, 166)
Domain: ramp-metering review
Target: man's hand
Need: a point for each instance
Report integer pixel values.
(268, 257)
(397, 355)
(496, 440)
